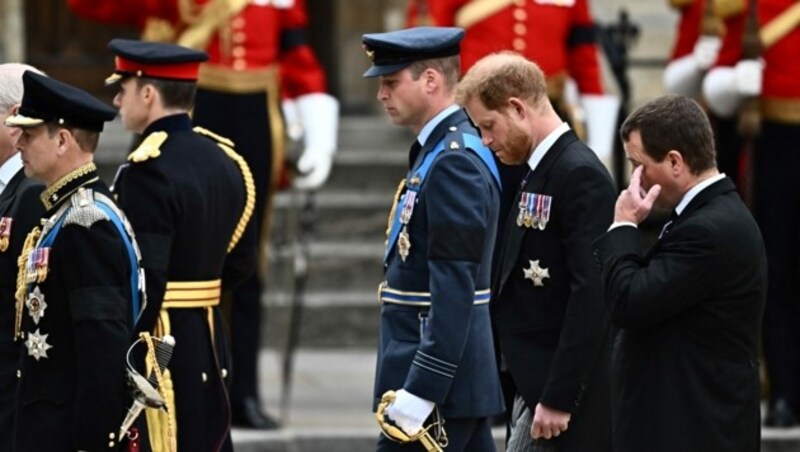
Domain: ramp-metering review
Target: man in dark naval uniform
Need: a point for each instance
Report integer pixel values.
(189, 196)
(435, 336)
(20, 211)
(547, 301)
(78, 289)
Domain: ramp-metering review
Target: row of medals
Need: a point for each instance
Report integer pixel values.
(534, 210)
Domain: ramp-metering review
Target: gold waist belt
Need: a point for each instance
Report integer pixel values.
(227, 80)
(777, 109)
(192, 294)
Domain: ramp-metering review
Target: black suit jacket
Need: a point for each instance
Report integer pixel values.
(686, 360)
(20, 202)
(555, 337)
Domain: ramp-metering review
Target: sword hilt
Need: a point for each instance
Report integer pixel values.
(395, 433)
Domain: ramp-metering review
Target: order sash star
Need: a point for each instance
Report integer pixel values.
(37, 345)
(536, 273)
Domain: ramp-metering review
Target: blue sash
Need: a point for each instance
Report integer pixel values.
(473, 143)
(117, 221)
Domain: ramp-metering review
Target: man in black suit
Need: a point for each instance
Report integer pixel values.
(20, 210)
(546, 295)
(685, 369)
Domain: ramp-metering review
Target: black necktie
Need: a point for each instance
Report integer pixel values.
(413, 153)
(672, 217)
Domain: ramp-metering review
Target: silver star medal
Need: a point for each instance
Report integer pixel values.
(36, 305)
(37, 345)
(536, 273)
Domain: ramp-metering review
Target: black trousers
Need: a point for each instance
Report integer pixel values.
(777, 210)
(244, 119)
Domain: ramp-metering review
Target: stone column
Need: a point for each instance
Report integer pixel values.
(12, 30)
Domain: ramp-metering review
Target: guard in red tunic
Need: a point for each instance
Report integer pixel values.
(697, 48)
(259, 61)
(772, 80)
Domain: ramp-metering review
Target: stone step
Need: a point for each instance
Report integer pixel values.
(328, 319)
(333, 266)
(368, 171)
(371, 133)
(341, 215)
(329, 406)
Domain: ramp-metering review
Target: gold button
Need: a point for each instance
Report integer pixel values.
(239, 65)
(238, 22)
(19, 373)
(224, 373)
(238, 52)
(111, 435)
(204, 377)
(111, 444)
(520, 29)
(519, 44)
(520, 14)
(239, 37)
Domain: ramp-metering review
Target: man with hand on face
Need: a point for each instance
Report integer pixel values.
(435, 346)
(685, 369)
(547, 301)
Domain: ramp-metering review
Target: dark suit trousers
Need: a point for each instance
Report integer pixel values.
(777, 210)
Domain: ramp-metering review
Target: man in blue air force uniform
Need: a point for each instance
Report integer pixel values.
(435, 335)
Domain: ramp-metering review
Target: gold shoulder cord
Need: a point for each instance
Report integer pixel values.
(249, 184)
(202, 25)
(392, 212)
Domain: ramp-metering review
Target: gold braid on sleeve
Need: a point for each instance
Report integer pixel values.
(22, 285)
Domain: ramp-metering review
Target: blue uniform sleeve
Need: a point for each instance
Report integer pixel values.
(458, 208)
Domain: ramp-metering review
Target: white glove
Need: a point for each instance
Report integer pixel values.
(291, 118)
(720, 91)
(409, 411)
(706, 50)
(748, 77)
(319, 116)
(683, 76)
(601, 111)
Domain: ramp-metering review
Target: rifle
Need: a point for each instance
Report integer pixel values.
(616, 39)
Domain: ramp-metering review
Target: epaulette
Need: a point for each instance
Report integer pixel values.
(453, 139)
(84, 211)
(218, 138)
(150, 147)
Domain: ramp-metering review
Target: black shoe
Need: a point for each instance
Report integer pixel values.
(780, 415)
(247, 413)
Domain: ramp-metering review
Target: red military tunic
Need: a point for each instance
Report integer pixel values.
(691, 17)
(781, 65)
(250, 40)
(556, 34)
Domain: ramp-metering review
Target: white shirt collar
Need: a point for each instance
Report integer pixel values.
(430, 125)
(9, 169)
(687, 198)
(538, 153)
